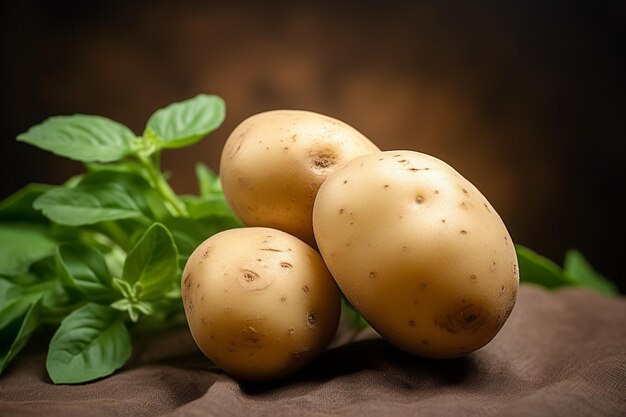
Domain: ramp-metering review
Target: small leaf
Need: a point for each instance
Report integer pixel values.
(537, 269)
(580, 271)
(356, 319)
(19, 206)
(182, 124)
(91, 342)
(16, 307)
(83, 268)
(82, 137)
(188, 233)
(14, 337)
(153, 262)
(21, 245)
(209, 184)
(7, 291)
(211, 205)
(100, 196)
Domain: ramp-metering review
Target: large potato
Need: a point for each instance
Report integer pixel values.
(273, 163)
(260, 303)
(418, 250)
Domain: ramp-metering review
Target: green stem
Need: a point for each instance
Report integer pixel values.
(177, 208)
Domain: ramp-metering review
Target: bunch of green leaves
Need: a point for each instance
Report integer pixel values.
(99, 258)
(576, 272)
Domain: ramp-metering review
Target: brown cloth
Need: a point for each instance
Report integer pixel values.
(560, 354)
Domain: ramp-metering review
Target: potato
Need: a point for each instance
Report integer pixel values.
(418, 251)
(274, 162)
(259, 303)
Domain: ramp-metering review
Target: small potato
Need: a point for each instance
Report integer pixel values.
(260, 303)
(273, 163)
(418, 251)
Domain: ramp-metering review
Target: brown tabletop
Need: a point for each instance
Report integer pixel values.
(560, 354)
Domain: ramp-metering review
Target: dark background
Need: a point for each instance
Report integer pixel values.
(525, 99)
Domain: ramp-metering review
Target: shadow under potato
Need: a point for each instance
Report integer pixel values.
(393, 367)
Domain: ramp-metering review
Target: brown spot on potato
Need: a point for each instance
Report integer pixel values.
(473, 277)
(493, 266)
(436, 191)
(345, 181)
(323, 159)
(386, 186)
(372, 274)
(425, 342)
(419, 199)
(443, 220)
(250, 338)
(271, 250)
(187, 281)
(311, 320)
(423, 286)
(290, 331)
(305, 288)
(463, 232)
(252, 281)
(412, 323)
(341, 211)
(468, 317)
(300, 354)
(205, 254)
(283, 298)
(286, 265)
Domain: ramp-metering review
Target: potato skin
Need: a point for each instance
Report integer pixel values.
(259, 303)
(274, 162)
(419, 251)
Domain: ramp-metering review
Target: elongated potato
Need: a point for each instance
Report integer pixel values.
(273, 163)
(418, 250)
(260, 303)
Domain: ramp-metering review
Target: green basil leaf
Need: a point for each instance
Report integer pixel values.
(91, 342)
(82, 138)
(153, 262)
(209, 184)
(184, 123)
(21, 245)
(13, 338)
(580, 271)
(100, 196)
(19, 206)
(537, 269)
(211, 205)
(17, 306)
(189, 233)
(7, 291)
(83, 268)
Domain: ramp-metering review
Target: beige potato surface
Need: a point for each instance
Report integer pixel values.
(259, 303)
(418, 251)
(273, 163)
